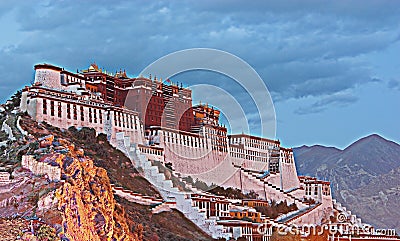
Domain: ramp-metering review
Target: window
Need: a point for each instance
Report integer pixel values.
(59, 110)
(90, 115)
(45, 107)
(95, 115)
(82, 114)
(52, 108)
(68, 111)
(75, 113)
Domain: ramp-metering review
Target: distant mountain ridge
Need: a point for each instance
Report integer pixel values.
(359, 175)
(373, 153)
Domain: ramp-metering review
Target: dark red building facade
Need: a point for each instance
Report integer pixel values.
(158, 103)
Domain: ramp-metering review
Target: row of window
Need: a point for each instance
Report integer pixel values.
(274, 167)
(287, 156)
(249, 152)
(313, 190)
(125, 120)
(185, 142)
(94, 115)
(287, 159)
(247, 157)
(172, 137)
(215, 132)
(264, 145)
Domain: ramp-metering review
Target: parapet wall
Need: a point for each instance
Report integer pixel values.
(320, 214)
(4, 178)
(289, 176)
(41, 168)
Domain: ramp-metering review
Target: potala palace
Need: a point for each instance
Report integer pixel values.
(155, 124)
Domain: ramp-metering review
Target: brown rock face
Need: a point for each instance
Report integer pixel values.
(87, 203)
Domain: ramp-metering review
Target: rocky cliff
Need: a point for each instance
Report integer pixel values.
(86, 201)
(80, 205)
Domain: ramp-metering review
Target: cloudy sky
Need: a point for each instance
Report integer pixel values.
(332, 67)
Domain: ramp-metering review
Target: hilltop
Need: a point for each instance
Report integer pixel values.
(57, 186)
(83, 198)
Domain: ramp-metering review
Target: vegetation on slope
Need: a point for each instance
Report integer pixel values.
(232, 193)
(119, 167)
(164, 226)
(80, 206)
(87, 203)
(274, 209)
(167, 226)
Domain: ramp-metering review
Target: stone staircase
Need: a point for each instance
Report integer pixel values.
(290, 217)
(173, 194)
(252, 175)
(136, 197)
(351, 218)
(181, 200)
(5, 127)
(20, 129)
(304, 207)
(163, 207)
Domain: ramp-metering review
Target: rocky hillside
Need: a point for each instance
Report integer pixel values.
(86, 201)
(364, 176)
(81, 204)
(119, 168)
(121, 172)
(378, 203)
(78, 204)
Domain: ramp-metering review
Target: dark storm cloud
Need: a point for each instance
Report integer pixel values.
(307, 48)
(338, 99)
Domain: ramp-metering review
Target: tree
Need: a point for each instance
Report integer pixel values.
(46, 233)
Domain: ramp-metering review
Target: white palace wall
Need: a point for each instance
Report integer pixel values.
(4, 178)
(189, 153)
(288, 170)
(57, 78)
(48, 77)
(193, 156)
(64, 110)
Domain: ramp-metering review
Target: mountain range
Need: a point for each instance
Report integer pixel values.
(364, 176)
